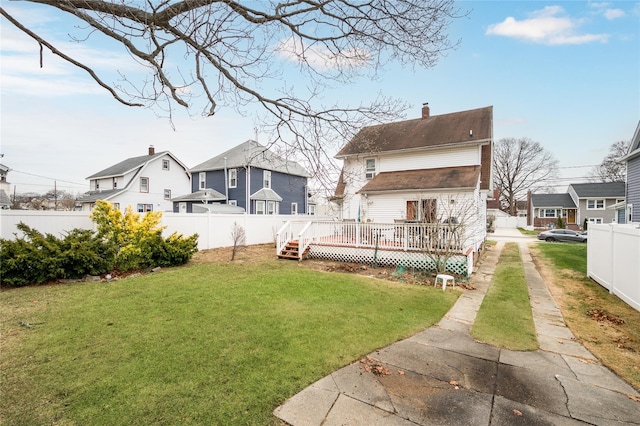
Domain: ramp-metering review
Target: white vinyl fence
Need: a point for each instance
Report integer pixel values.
(510, 222)
(613, 260)
(214, 230)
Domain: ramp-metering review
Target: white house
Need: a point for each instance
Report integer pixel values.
(430, 169)
(146, 183)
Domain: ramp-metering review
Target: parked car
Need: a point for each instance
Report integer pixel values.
(563, 235)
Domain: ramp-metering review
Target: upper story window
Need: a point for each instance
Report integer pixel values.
(202, 176)
(144, 184)
(233, 178)
(167, 194)
(294, 208)
(370, 168)
(97, 185)
(165, 164)
(595, 204)
(266, 179)
(312, 209)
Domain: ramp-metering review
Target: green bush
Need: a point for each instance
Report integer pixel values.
(123, 243)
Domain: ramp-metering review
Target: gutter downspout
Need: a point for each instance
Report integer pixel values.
(226, 181)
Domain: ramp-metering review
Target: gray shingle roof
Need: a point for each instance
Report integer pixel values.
(99, 195)
(552, 200)
(267, 194)
(125, 166)
(255, 155)
(604, 190)
(202, 195)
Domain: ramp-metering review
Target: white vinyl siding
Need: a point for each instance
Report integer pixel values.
(452, 157)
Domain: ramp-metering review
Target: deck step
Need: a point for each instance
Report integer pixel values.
(292, 251)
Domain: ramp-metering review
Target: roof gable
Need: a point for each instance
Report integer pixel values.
(634, 148)
(125, 166)
(605, 190)
(253, 154)
(472, 126)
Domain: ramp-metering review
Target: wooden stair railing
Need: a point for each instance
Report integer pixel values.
(291, 251)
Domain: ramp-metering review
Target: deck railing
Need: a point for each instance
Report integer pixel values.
(406, 236)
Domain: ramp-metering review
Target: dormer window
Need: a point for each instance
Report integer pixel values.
(97, 185)
(370, 168)
(115, 183)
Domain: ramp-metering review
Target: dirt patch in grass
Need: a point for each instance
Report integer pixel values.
(604, 324)
(256, 254)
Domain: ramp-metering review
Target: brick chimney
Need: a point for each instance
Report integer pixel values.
(425, 110)
(152, 150)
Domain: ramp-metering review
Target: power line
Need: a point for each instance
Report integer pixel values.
(49, 178)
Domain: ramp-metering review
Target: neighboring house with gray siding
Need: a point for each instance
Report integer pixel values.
(633, 178)
(547, 208)
(594, 201)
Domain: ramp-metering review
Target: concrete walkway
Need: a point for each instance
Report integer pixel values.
(441, 376)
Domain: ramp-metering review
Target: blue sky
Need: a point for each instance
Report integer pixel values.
(564, 73)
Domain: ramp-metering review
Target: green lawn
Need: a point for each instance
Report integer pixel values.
(201, 344)
(505, 319)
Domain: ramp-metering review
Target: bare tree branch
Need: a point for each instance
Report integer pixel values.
(233, 51)
(612, 169)
(521, 165)
(43, 42)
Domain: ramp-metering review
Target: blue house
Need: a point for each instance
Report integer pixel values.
(250, 177)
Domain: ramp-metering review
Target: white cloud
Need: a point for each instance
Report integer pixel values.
(612, 14)
(545, 26)
(604, 9)
(320, 57)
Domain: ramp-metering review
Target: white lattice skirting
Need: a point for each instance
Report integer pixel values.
(457, 264)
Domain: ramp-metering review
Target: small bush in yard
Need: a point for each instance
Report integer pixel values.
(139, 239)
(122, 242)
(36, 258)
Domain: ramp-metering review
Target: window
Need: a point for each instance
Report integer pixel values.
(167, 194)
(142, 208)
(312, 209)
(259, 207)
(116, 206)
(629, 213)
(165, 164)
(548, 213)
(596, 220)
(144, 184)
(97, 185)
(266, 179)
(595, 204)
(271, 207)
(294, 208)
(202, 176)
(233, 202)
(115, 183)
(233, 178)
(370, 168)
